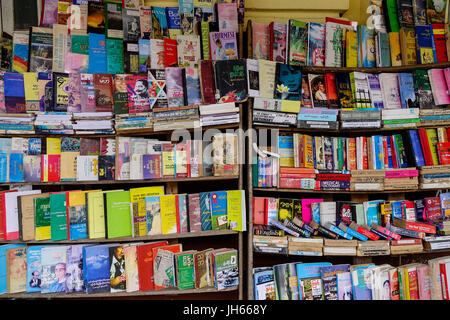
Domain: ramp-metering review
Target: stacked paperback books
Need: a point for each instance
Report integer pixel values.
(360, 119)
(17, 123)
(93, 123)
(115, 268)
(216, 114)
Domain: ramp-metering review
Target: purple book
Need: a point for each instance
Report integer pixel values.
(151, 166)
(175, 86)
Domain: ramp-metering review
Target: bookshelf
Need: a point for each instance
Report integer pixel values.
(259, 259)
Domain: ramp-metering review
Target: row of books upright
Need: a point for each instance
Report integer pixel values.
(408, 37)
(417, 89)
(96, 159)
(301, 160)
(114, 268)
(325, 281)
(34, 215)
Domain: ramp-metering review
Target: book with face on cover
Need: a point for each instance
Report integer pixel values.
(131, 24)
(138, 96)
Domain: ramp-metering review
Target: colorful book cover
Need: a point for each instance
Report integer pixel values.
(288, 82)
(153, 215)
(297, 42)
(20, 52)
(114, 56)
(113, 20)
(42, 218)
(318, 90)
(368, 47)
(74, 269)
(194, 96)
(278, 41)
(77, 211)
(260, 41)
(74, 94)
(131, 57)
(436, 11)
(58, 217)
(145, 22)
(144, 54)
(16, 259)
(344, 286)
(118, 217)
(424, 44)
(188, 50)
(159, 23)
(53, 261)
(227, 17)
(175, 87)
(96, 18)
(34, 269)
(223, 45)
(170, 53)
(173, 21)
(219, 210)
(49, 14)
(96, 268)
(103, 86)
(97, 53)
(118, 281)
(120, 94)
(14, 93)
(138, 95)
(77, 59)
(316, 44)
(226, 267)
(407, 92)
(231, 80)
(286, 281)
(204, 10)
(184, 265)
(310, 284)
(31, 91)
(40, 50)
(157, 88)
(60, 92)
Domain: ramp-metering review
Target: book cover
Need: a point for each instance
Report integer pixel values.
(96, 268)
(260, 41)
(223, 45)
(117, 211)
(96, 18)
(173, 21)
(157, 88)
(164, 268)
(138, 94)
(16, 259)
(297, 41)
(219, 210)
(131, 268)
(77, 215)
(113, 20)
(20, 52)
(231, 80)
(170, 53)
(103, 86)
(316, 44)
(226, 269)
(40, 50)
(53, 260)
(59, 228)
(286, 283)
(74, 269)
(436, 11)
(318, 90)
(145, 264)
(278, 34)
(114, 56)
(184, 266)
(97, 53)
(34, 269)
(14, 92)
(159, 23)
(287, 82)
(169, 219)
(407, 92)
(120, 93)
(175, 87)
(117, 277)
(145, 22)
(227, 17)
(188, 50)
(131, 24)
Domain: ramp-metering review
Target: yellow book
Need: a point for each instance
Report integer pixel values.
(290, 106)
(69, 166)
(137, 194)
(406, 282)
(351, 47)
(267, 71)
(96, 213)
(53, 145)
(308, 160)
(236, 210)
(433, 140)
(396, 54)
(139, 218)
(168, 160)
(442, 134)
(408, 46)
(168, 214)
(30, 80)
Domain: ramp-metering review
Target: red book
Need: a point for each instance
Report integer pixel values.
(2, 214)
(331, 176)
(145, 264)
(385, 151)
(351, 157)
(365, 157)
(425, 147)
(207, 83)
(394, 153)
(443, 149)
(53, 168)
(259, 210)
(331, 90)
(406, 242)
(298, 176)
(171, 247)
(286, 170)
(413, 285)
(364, 231)
(415, 226)
(104, 97)
(439, 41)
(271, 35)
(170, 53)
(433, 208)
(290, 183)
(444, 269)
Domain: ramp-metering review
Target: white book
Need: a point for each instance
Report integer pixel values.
(327, 212)
(12, 213)
(87, 168)
(390, 90)
(253, 77)
(136, 167)
(156, 47)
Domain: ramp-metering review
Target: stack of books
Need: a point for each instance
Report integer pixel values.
(373, 248)
(217, 114)
(93, 123)
(435, 117)
(400, 118)
(434, 177)
(270, 244)
(128, 122)
(360, 118)
(275, 112)
(318, 118)
(54, 123)
(17, 123)
(436, 243)
(339, 247)
(176, 118)
(337, 180)
(406, 246)
(305, 246)
(399, 179)
(367, 180)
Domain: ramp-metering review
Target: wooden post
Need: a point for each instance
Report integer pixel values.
(360, 197)
(171, 188)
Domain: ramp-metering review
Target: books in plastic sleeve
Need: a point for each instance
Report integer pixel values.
(296, 44)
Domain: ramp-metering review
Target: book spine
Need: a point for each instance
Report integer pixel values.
(281, 226)
(289, 224)
(339, 232)
(303, 225)
(352, 232)
(405, 232)
(364, 232)
(386, 232)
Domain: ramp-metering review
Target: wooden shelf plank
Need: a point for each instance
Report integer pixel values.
(343, 191)
(111, 295)
(209, 233)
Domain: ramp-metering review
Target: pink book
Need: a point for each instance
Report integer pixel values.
(260, 41)
(401, 173)
(439, 86)
(423, 280)
(306, 209)
(228, 17)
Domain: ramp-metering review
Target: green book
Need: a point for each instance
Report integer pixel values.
(297, 40)
(58, 216)
(392, 14)
(219, 218)
(42, 218)
(393, 121)
(204, 25)
(226, 267)
(340, 153)
(184, 262)
(118, 214)
(80, 44)
(114, 56)
(113, 20)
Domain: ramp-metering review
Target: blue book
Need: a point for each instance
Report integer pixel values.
(389, 150)
(173, 18)
(417, 147)
(316, 44)
(78, 222)
(160, 14)
(53, 260)
(5, 126)
(339, 232)
(424, 44)
(96, 268)
(4, 167)
(153, 212)
(433, 44)
(261, 280)
(328, 275)
(16, 167)
(194, 94)
(34, 146)
(368, 40)
(361, 289)
(397, 210)
(371, 210)
(205, 211)
(5, 145)
(307, 271)
(440, 117)
(288, 82)
(219, 210)
(34, 269)
(144, 54)
(352, 232)
(376, 152)
(445, 204)
(97, 53)
(407, 93)
(3, 271)
(14, 92)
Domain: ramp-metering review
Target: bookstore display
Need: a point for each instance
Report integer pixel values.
(357, 115)
(91, 94)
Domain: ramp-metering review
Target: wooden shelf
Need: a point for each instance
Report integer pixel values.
(344, 191)
(307, 69)
(30, 135)
(112, 182)
(62, 295)
(145, 132)
(209, 233)
(352, 256)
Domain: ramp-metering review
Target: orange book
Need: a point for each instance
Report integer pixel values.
(396, 54)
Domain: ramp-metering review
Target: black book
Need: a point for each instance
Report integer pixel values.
(231, 80)
(96, 18)
(345, 212)
(344, 90)
(25, 14)
(131, 25)
(106, 167)
(60, 91)
(405, 13)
